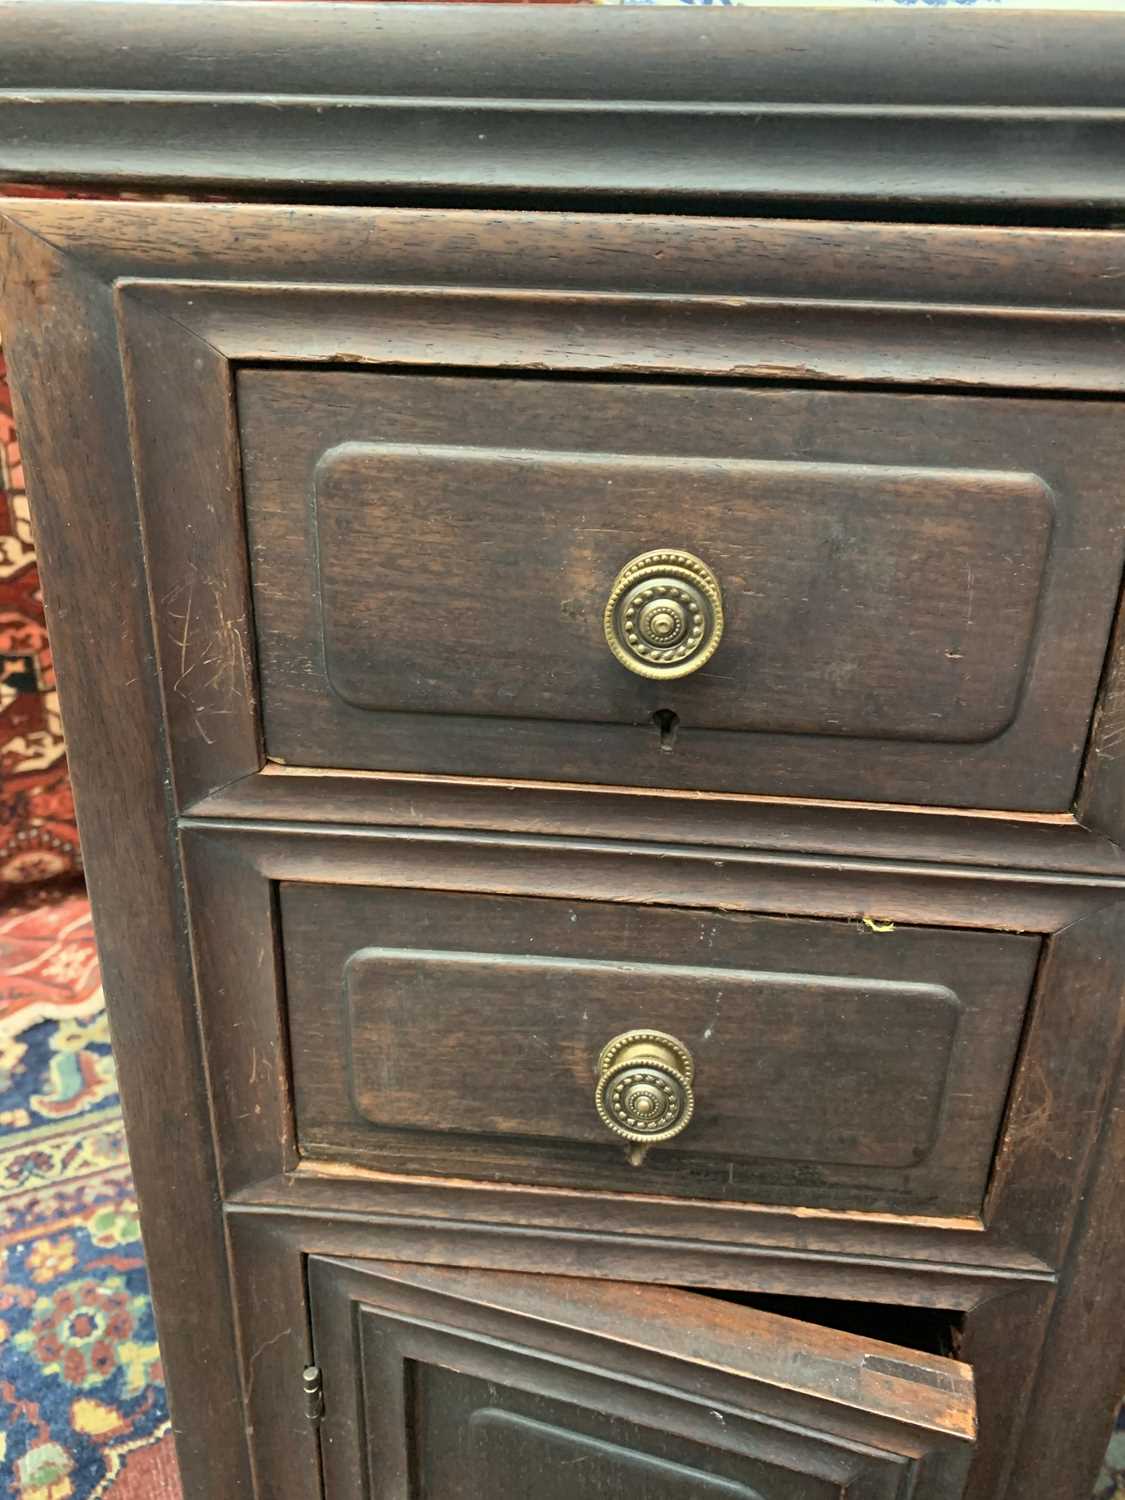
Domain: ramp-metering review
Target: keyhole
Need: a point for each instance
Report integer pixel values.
(667, 723)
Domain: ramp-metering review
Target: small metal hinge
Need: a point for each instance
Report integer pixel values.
(313, 1387)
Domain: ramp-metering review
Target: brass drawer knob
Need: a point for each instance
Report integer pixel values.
(644, 1091)
(664, 615)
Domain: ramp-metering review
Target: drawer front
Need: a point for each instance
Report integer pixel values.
(915, 592)
(834, 1066)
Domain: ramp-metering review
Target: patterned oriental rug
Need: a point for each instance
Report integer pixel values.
(82, 1409)
(38, 837)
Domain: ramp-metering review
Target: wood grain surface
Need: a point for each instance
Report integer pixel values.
(850, 1068)
(570, 105)
(526, 1379)
(472, 580)
(915, 611)
(796, 383)
(60, 339)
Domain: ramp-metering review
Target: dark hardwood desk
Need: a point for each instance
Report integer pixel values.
(584, 567)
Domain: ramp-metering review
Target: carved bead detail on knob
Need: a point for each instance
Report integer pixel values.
(664, 615)
(644, 1088)
(647, 1102)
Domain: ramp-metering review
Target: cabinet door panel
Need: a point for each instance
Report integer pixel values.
(474, 1437)
(454, 1385)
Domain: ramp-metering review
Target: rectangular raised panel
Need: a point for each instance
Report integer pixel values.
(800, 1067)
(472, 581)
(835, 1066)
(478, 1439)
(917, 590)
(449, 1384)
(506, 1448)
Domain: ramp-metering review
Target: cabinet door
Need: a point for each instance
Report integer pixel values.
(485, 1385)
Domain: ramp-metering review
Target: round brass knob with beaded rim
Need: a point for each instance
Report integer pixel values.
(644, 1093)
(664, 614)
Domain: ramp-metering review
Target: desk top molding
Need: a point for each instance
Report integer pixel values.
(1014, 112)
